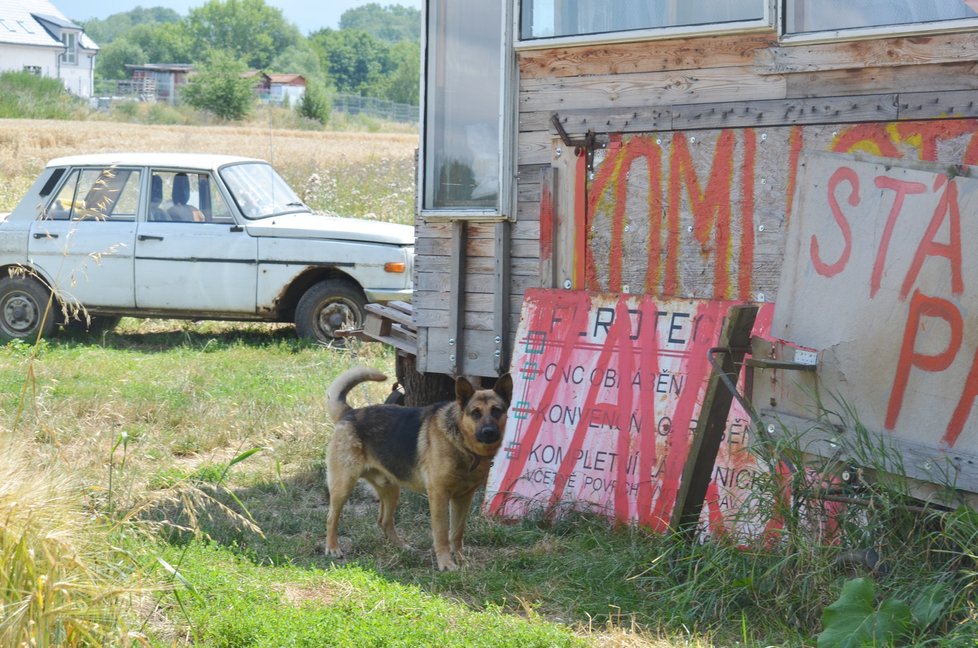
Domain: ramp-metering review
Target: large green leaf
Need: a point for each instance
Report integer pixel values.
(854, 621)
(930, 603)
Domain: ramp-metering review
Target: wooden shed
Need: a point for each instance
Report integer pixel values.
(657, 148)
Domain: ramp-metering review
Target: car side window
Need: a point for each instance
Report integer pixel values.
(188, 197)
(110, 193)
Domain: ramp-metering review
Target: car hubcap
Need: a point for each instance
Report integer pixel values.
(20, 313)
(334, 317)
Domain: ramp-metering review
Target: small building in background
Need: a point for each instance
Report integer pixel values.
(263, 83)
(36, 37)
(286, 88)
(157, 81)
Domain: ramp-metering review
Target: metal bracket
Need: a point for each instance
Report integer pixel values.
(762, 363)
(583, 145)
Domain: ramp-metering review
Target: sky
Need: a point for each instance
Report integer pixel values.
(307, 15)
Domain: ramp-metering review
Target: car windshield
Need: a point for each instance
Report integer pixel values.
(260, 191)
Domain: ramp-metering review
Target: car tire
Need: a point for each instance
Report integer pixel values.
(327, 307)
(23, 306)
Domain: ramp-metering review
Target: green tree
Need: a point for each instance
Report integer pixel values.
(112, 59)
(355, 61)
(301, 59)
(107, 30)
(219, 88)
(314, 103)
(393, 23)
(249, 30)
(402, 83)
(169, 43)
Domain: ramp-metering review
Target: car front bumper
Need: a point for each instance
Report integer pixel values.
(382, 295)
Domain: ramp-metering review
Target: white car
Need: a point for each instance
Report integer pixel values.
(189, 236)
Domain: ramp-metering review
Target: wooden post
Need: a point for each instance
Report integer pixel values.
(500, 326)
(456, 298)
(734, 343)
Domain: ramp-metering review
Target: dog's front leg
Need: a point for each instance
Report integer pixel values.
(438, 503)
(460, 512)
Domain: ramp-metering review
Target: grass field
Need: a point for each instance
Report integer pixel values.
(161, 484)
(147, 422)
(367, 175)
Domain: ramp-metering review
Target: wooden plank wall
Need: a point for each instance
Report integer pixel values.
(661, 86)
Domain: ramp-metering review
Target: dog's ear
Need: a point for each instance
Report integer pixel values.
(463, 390)
(504, 387)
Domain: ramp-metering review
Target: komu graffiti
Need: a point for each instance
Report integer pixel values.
(706, 196)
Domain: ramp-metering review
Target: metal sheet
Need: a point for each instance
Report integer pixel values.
(879, 279)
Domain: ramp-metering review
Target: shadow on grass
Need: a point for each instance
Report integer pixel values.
(574, 570)
(152, 336)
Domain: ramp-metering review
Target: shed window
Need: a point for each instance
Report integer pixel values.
(463, 88)
(827, 15)
(554, 18)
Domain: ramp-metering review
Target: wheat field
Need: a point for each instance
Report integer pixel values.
(349, 173)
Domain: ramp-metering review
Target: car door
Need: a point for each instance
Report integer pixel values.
(191, 257)
(83, 239)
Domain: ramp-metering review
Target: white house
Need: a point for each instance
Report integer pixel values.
(36, 37)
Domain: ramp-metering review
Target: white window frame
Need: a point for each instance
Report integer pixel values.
(505, 199)
(867, 33)
(766, 23)
(70, 40)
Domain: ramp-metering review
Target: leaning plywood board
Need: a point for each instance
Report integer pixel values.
(607, 391)
(880, 281)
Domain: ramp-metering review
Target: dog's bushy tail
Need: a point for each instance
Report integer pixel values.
(336, 394)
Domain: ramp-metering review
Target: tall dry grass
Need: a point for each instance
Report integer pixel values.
(349, 173)
(62, 583)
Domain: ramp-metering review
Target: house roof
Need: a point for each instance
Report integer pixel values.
(287, 79)
(159, 67)
(30, 22)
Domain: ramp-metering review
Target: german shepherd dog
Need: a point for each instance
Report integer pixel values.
(442, 450)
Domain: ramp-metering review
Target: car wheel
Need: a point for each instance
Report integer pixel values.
(327, 307)
(23, 302)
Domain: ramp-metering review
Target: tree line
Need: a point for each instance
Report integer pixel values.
(375, 52)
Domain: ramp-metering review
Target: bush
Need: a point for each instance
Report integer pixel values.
(315, 104)
(27, 96)
(219, 88)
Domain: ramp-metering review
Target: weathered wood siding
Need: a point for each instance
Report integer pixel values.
(691, 189)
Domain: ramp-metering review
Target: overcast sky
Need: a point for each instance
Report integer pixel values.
(307, 15)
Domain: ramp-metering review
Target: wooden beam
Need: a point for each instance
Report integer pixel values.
(647, 56)
(712, 422)
(877, 52)
(878, 80)
(456, 297)
(500, 326)
(649, 89)
(565, 222)
(850, 109)
(548, 230)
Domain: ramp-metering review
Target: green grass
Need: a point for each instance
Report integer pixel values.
(202, 444)
(236, 602)
(25, 95)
